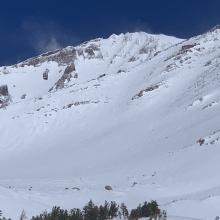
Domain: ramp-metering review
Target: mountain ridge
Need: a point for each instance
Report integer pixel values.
(133, 108)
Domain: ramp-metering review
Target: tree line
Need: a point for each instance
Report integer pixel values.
(106, 211)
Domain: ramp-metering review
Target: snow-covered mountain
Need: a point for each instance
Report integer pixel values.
(136, 111)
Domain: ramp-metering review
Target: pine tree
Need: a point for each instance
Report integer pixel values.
(113, 210)
(76, 214)
(164, 215)
(124, 211)
(91, 211)
(104, 211)
(23, 215)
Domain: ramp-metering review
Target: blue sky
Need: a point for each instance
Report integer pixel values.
(30, 27)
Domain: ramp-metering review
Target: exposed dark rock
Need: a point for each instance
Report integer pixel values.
(76, 104)
(45, 74)
(94, 47)
(75, 76)
(158, 52)
(121, 71)
(187, 47)
(4, 96)
(132, 59)
(96, 85)
(67, 75)
(183, 50)
(80, 52)
(101, 76)
(201, 141)
(62, 57)
(108, 188)
(134, 184)
(144, 50)
(4, 90)
(76, 188)
(212, 142)
(208, 63)
(90, 52)
(141, 93)
(23, 96)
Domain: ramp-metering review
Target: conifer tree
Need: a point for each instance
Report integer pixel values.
(124, 211)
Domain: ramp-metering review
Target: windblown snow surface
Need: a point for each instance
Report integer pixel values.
(138, 112)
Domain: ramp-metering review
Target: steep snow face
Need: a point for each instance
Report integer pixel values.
(79, 83)
(96, 57)
(135, 111)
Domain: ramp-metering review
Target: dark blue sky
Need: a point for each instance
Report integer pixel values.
(29, 27)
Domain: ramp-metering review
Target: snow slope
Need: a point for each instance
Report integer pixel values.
(135, 111)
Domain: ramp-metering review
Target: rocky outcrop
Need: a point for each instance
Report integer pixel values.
(4, 96)
(67, 75)
(23, 96)
(142, 92)
(108, 188)
(45, 74)
(201, 141)
(187, 47)
(62, 57)
(4, 90)
(90, 51)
